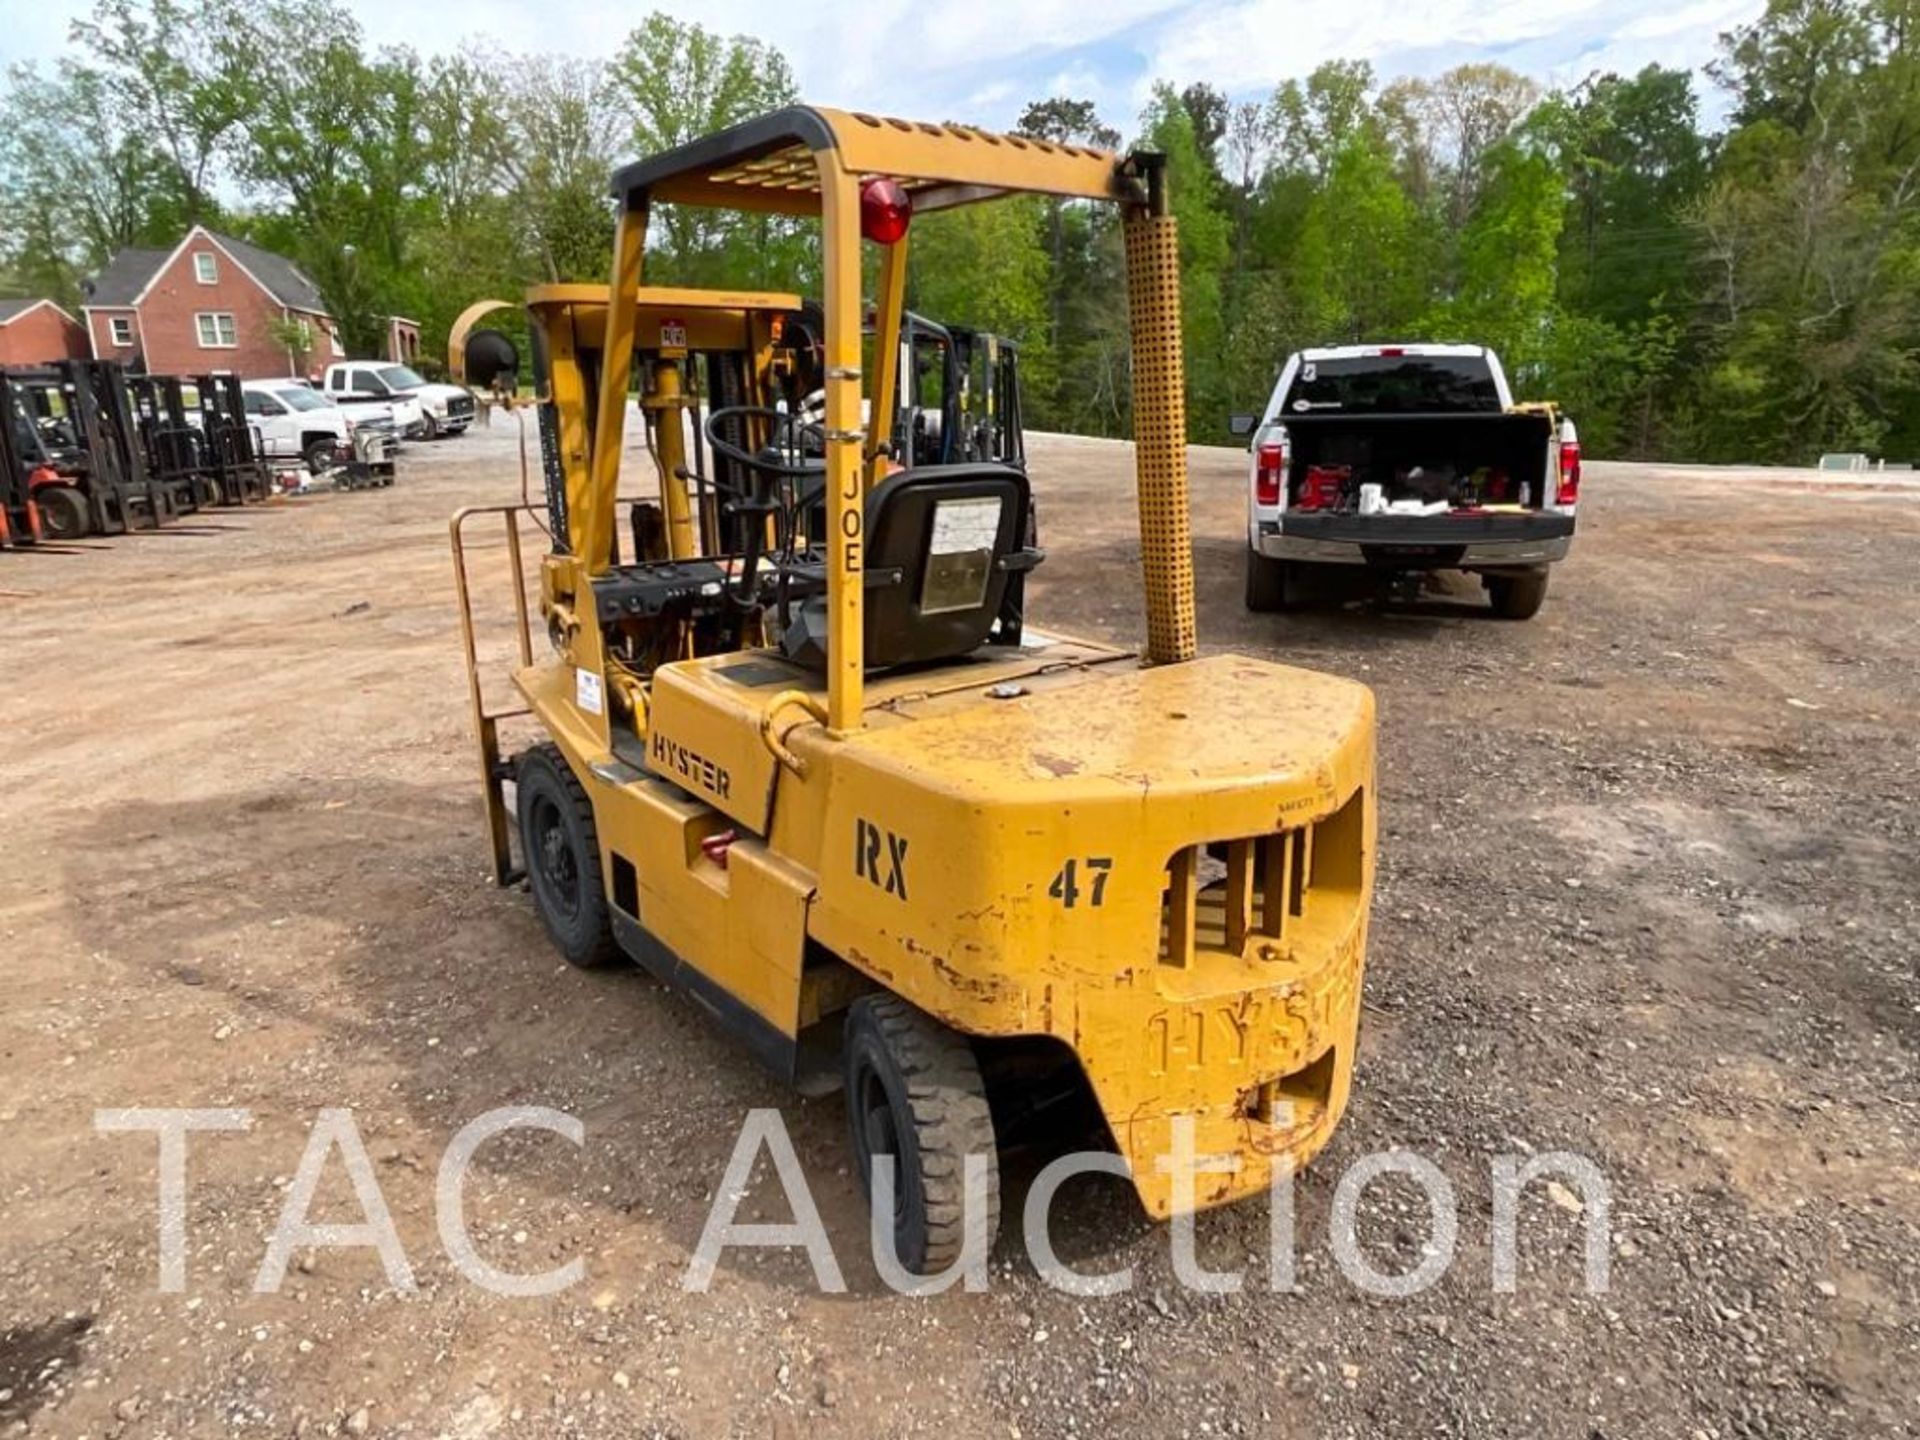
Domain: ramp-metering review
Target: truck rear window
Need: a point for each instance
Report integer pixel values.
(1394, 384)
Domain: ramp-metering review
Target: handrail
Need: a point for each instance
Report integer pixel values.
(777, 743)
(486, 733)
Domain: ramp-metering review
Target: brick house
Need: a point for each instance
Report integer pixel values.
(207, 305)
(34, 332)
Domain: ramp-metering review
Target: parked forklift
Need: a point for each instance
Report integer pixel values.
(194, 434)
(959, 395)
(793, 764)
(84, 428)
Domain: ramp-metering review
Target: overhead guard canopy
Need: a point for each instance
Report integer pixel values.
(769, 164)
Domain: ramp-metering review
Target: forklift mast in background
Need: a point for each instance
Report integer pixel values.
(171, 448)
(234, 456)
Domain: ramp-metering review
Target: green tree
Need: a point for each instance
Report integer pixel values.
(679, 81)
(171, 83)
(1359, 267)
(1167, 127)
(77, 180)
(1082, 338)
(1504, 286)
(984, 266)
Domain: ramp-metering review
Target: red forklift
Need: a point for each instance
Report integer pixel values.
(82, 425)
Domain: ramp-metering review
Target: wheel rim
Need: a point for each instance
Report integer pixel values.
(553, 857)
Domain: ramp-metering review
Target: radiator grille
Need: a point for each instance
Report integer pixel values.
(1225, 894)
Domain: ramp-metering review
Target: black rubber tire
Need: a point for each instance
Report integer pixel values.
(913, 1090)
(561, 852)
(429, 427)
(323, 453)
(1267, 587)
(1517, 597)
(63, 512)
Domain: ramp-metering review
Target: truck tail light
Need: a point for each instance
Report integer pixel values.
(1270, 473)
(1569, 489)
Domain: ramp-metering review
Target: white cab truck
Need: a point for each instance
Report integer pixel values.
(444, 409)
(295, 422)
(1407, 458)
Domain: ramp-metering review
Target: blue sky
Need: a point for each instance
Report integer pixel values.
(980, 60)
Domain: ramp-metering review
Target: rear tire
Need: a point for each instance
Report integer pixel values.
(1267, 583)
(561, 851)
(1517, 597)
(913, 1091)
(63, 512)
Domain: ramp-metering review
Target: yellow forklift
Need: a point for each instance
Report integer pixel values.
(798, 763)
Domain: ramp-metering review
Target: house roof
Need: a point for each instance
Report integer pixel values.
(12, 309)
(279, 276)
(125, 276)
(128, 275)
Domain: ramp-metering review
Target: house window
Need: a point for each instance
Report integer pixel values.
(121, 328)
(205, 268)
(217, 330)
(333, 343)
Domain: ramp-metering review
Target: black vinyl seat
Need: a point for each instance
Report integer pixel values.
(942, 545)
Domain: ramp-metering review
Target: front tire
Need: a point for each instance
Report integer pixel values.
(1517, 597)
(429, 427)
(63, 512)
(561, 851)
(914, 1093)
(1267, 583)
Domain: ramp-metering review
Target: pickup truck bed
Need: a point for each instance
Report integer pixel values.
(1381, 449)
(1404, 458)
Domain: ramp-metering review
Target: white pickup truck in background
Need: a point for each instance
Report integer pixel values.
(1407, 458)
(444, 409)
(296, 422)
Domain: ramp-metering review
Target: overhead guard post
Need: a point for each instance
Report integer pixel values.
(1160, 418)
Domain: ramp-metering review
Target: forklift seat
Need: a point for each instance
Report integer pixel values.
(942, 544)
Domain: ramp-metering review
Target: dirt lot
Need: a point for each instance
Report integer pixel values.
(1647, 893)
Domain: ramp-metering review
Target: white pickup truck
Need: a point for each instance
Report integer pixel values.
(1407, 458)
(444, 409)
(296, 422)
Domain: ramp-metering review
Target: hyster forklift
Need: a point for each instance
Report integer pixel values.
(796, 763)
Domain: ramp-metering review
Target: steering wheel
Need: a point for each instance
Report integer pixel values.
(795, 430)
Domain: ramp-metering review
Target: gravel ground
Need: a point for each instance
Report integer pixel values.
(1647, 894)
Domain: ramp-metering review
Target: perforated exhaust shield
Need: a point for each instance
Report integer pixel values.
(1160, 434)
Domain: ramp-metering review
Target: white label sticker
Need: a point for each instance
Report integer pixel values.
(963, 525)
(586, 691)
(673, 334)
(1309, 371)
